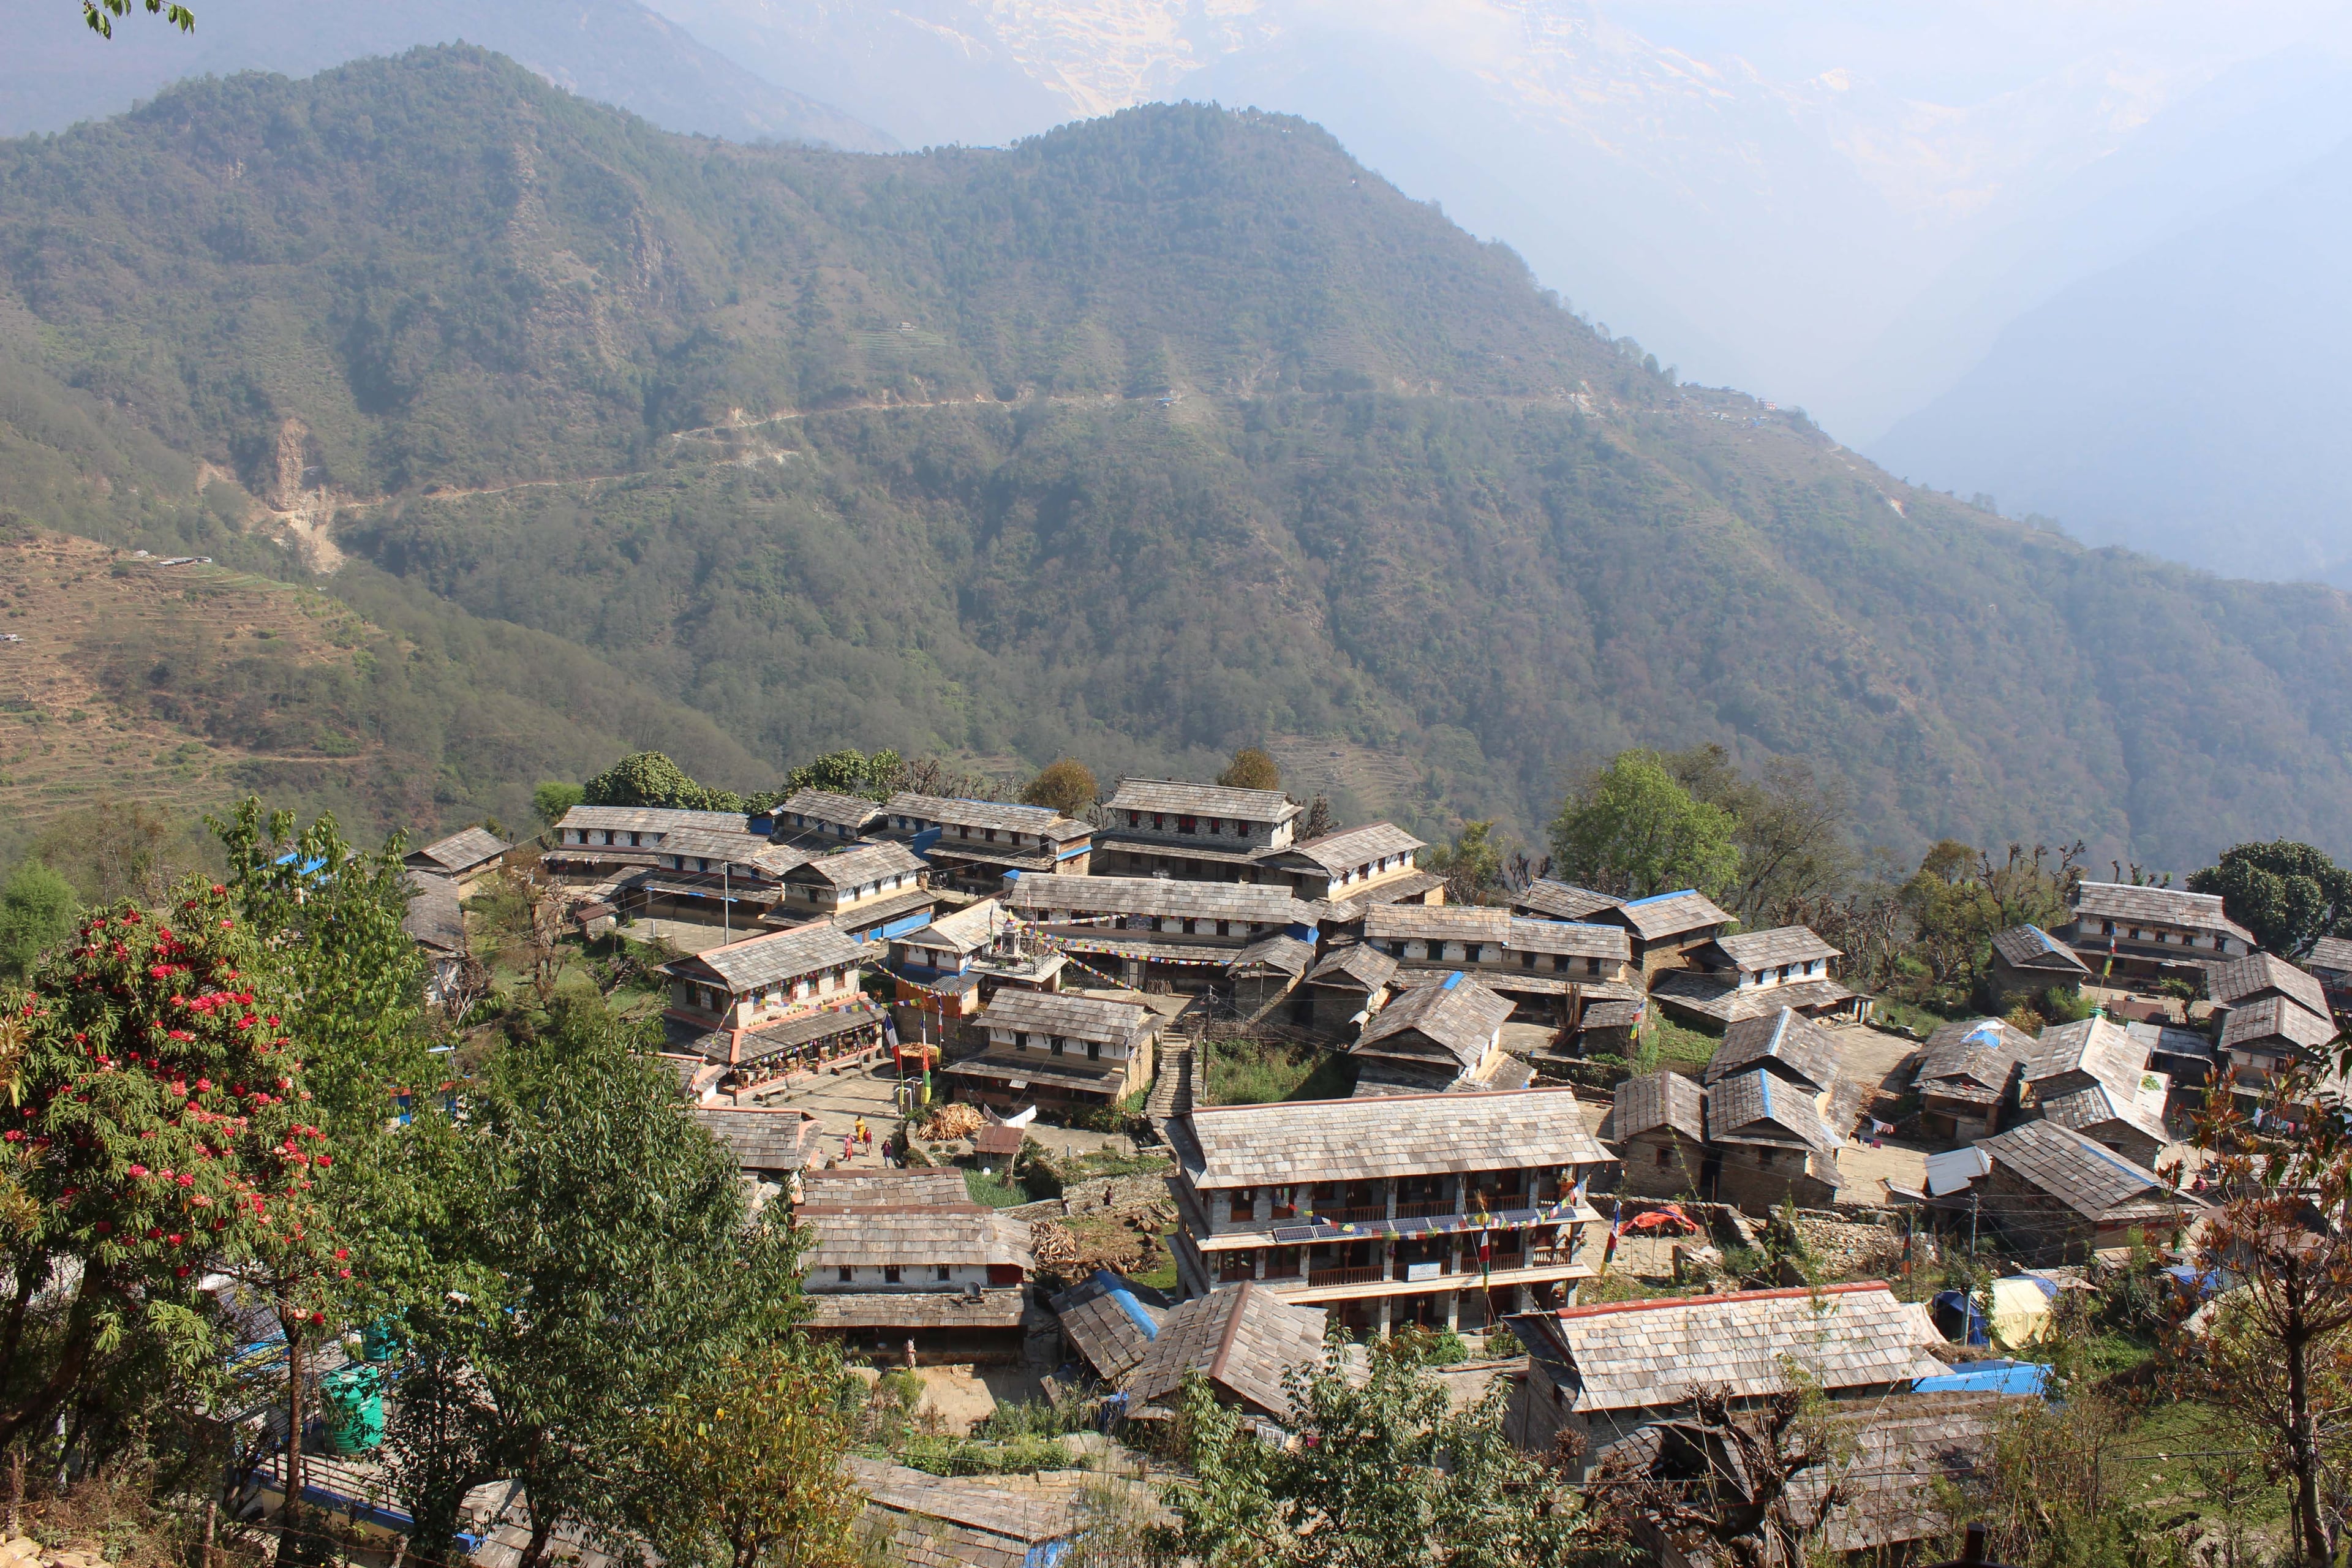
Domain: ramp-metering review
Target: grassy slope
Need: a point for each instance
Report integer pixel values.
(1410, 519)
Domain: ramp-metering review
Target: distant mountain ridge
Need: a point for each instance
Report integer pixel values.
(1144, 438)
(53, 73)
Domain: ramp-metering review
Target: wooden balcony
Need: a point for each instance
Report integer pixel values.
(1372, 1275)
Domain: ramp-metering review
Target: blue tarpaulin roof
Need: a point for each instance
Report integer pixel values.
(1988, 1377)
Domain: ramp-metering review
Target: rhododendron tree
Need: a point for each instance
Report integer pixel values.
(161, 1131)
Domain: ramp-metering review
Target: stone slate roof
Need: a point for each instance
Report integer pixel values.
(967, 930)
(1082, 896)
(1354, 966)
(887, 1187)
(985, 1521)
(2126, 905)
(1455, 1013)
(1718, 998)
(1903, 1447)
(1240, 1338)
(1023, 1069)
(1634, 1355)
(1437, 922)
(1280, 951)
(1770, 948)
(2233, 985)
(2333, 953)
(2087, 1177)
(1757, 1108)
(1346, 850)
(2099, 1047)
(1611, 944)
(460, 852)
(2088, 1110)
(1178, 798)
(1664, 915)
(1402, 1135)
(1030, 821)
(768, 959)
(1656, 1101)
(655, 819)
(912, 1236)
(881, 1313)
(762, 1139)
(1107, 1331)
(733, 848)
(2171, 1040)
(1787, 1040)
(2031, 947)
(850, 811)
(1557, 901)
(1072, 1017)
(435, 918)
(2275, 1025)
(867, 863)
(1973, 1060)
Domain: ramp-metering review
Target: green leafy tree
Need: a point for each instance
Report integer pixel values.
(37, 912)
(337, 951)
(2289, 895)
(161, 1129)
(649, 778)
(742, 1467)
(1384, 1474)
(596, 1252)
(1633, 829)
(1066, 784)
(1471, 864)
(1251, 768)
(100, 14)
(1788, 824)
(552, 799)
(1960, 898)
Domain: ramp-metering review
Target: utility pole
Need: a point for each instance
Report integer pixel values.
(725, 899)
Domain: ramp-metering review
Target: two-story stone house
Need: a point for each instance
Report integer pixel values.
(906, 1258)
(1664, 927)
(872, 891)
(1137, 929)
(817, 818)
(1445, 1033)
(1374, 864)
(594, 842)
(974, 843)
(723, 878)
(1196, 832)
(1058, 1051)
(1549, 969)
(1754, 974)
(1427, 1208)
(2136, 933)
(774, 1004)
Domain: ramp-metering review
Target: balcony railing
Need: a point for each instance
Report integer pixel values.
(1320, 1277)
(1352, 1215)
(1424, 1210)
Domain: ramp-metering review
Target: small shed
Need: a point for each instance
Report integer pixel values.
(1658, 1127)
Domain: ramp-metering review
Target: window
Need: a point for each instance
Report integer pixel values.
(1224, 928)
(1058, 1043)
(890, 1274)
(1215, 826)
(1243, 829)
(1526, 961)
(1591, 966)
(989, 833)
(1158, 820)
(1244, 1204)
(847, 1273)
(1665, 1157)
(1020, 1040)
(1135, 819)
(1094, 1050)
(1188, 825)
(943, 1273)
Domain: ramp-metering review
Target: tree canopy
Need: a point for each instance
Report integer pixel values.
(1251, 768)
(1633, 829)
(2288, 895)
(1066, 784)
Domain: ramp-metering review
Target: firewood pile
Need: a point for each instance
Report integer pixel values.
(948, 1121)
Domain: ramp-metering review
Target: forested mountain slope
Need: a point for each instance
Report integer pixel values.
(1139, 439)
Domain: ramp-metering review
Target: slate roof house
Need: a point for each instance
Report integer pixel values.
(1377, 1208)
(1786, 1043)
(722, 877)
(2331, 965)
(1658, 1127)
(869, 891)
(2270, 1014)
(2060, 1196)
(768, 1145)
(2147, 933)
(1109, 1321)
(1546, 899)
(1373, 864)
(974, 843)
(1261, 977)
(1545, 967)
(1138, 929)
(2028, 960)
(1968, 1076)
(892, 1263)
(435, 921)
(1767, 1142)
(593, 842)
(1198, 832)
(2092, 1076)
(1441, 1034)
(773, 1004)
(465, 856)
(1048, 1048)
(1028, 1521)
(817, 818)
(1240, 1339)
(1753, 975)
(1350, 978)
(1666, 928)
(1606, 1371)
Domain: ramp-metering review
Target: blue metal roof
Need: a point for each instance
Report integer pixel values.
(1990, 1377)
(1451, 981)
(1660, 897)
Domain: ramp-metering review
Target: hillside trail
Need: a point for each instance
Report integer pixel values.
(311, 522)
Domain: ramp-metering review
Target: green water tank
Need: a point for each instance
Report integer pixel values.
(380, 1341)
(351, 1398)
